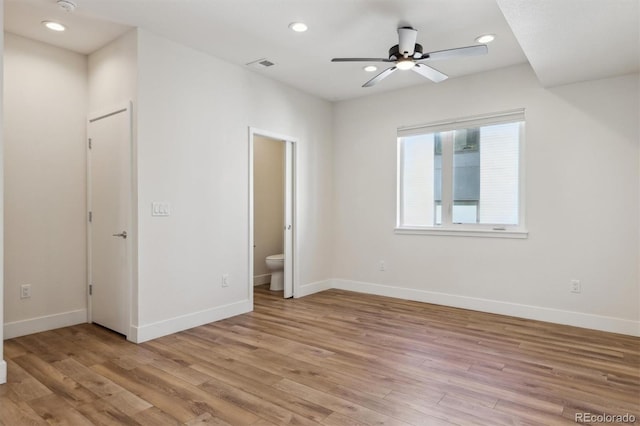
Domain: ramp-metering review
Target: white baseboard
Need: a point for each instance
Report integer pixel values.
(45, 323)
(3, 371)
(318, 286)
(558, 316)
(146, 332)
(261, 279)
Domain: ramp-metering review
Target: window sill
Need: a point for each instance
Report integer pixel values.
(465, 232)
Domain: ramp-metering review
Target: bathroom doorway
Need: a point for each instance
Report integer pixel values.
(272, 212)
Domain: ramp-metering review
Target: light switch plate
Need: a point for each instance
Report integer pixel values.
(160, 208)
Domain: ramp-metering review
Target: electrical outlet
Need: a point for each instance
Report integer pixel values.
(225, 280)
(575, 286)
(25, 291)
(382, 266)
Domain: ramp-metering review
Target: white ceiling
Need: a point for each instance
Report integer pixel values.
(86, 33)
(565, 41)
(576, 40)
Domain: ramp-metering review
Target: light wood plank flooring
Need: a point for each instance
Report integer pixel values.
(333, 358)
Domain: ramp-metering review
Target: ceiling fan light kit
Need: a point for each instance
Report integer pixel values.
(408, 55)
(405, 64)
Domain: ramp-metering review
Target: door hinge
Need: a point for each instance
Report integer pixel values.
(90, 289)
(90, 216)
(89, 143)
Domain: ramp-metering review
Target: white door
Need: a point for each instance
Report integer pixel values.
(288, 220)
(110, 218)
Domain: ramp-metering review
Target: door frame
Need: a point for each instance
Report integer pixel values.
(253, 131)
(126, 108)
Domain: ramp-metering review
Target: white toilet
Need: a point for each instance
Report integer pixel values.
(275, 263)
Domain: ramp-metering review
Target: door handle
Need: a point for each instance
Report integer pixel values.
(123, 234)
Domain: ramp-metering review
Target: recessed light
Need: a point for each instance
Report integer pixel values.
(370, 68)
(298, 27)
(54, 26)
(485, 38)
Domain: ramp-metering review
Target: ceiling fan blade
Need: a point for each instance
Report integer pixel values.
(384, 74)
(361, 60)
(431, 73)
(460, 52)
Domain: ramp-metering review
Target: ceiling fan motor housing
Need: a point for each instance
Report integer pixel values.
(407, 39)
(394, 52)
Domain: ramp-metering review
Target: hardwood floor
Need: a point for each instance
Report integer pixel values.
(333, 358)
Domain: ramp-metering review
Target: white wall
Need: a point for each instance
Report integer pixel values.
(113, 82)
(283, 110)
(113, 73)
(45, 101)
(581, 197)
(268, 203)
(194, 112)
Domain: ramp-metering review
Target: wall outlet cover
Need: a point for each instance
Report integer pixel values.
(25, 291)
(160, 208)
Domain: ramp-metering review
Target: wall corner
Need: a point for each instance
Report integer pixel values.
(3, 364)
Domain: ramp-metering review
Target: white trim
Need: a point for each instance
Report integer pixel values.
(44, 323)
(251, 225)
(184, 322)
(3, 372)
(464, 122)
(452, 232)
(316, 287)
(261, 279)
(557, 316)
(132, 336)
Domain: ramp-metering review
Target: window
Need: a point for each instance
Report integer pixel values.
(462, 177)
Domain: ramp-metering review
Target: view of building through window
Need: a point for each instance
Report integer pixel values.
(473, 172)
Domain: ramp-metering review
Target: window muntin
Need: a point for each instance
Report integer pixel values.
(471, 167)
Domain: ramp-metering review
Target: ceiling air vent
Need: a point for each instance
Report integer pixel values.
(261, 64)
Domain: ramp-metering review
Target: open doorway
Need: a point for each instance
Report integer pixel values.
(272, 251)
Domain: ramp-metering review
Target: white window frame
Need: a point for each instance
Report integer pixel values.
(448, 228)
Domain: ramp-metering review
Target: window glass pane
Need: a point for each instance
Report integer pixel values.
(466, 176)
(418, 180)
(437, 178)
(465, 212)
(499, 188)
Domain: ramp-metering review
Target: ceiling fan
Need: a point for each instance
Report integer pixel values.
(408, 55)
